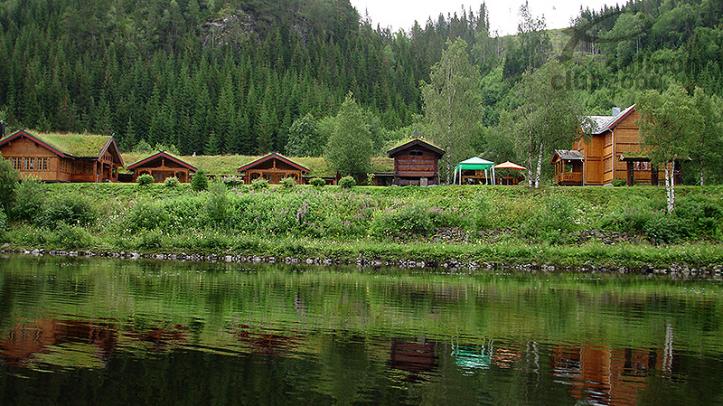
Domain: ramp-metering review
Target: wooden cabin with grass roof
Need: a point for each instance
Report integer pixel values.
(161, 166)
(273, 167)
(53, 157)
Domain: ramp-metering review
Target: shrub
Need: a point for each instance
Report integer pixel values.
(147, 216)
(317, 182)
(29, 200)
(67, 209)
(145, 180)
(199, 182)
(404, 223)
(150, 239)
(8, 184)
(288, 183)
(555, 222)
(701, 216)
(664, 229)
(619, 183)
(172, 182)
(347, 182)
(71, 237)
(217, 204)
(233, 181)
(259, 184)
(629, 216)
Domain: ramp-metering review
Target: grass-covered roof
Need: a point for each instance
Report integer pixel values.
(77, 145)
(219, 165)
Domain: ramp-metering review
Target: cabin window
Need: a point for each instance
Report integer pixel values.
(416, 153)
(642, 166)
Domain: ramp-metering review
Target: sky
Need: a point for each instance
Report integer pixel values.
(504, 14)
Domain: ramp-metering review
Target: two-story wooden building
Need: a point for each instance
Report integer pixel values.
(63, 157)
(613, 150)
(416, 162)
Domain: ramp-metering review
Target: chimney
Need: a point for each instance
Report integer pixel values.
(616, 111)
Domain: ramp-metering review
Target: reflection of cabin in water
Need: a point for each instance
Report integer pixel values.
(613, 151)
(273, 167)
(163, 165)
(416, 162)
(413, 357)
(604, 375)
(63, 157)
(24, 341)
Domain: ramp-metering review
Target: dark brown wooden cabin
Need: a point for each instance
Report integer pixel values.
(273, 167)
(163, 165)
(63, 157)
(416, 163)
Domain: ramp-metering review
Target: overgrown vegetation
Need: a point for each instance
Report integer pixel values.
(442, 222)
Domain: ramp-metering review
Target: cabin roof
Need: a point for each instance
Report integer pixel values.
(602, 124)
(414, 143)
(68, 144)
(162, 154)
(268, 157)
(227, 165)
(568, 155)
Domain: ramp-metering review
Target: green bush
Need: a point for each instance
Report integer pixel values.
(347, 182)
(8, 183)
(317, 182)
(664, 229)
(30, 196)
(288, 183)
(233, 181)
(145, 180)
(149, 239)
(146, 216)
(554, 222)
(404, 223)
(630, 216)
(70, 237)
(217, 204)
(199, 182)
(701, 217)
(259, 184)
(73, 210)
(619, 183)
(172, 182)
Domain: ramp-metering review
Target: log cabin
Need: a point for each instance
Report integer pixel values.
(613, 151)
(273, 167)
(63, 157)
(416, 162)
(162, 165)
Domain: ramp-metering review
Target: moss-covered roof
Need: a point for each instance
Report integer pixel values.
(77, 145)
(219, 165)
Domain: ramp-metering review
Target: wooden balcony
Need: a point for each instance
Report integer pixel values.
(568, 178)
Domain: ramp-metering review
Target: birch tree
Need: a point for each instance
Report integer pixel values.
(453, 105)
(547, 116)
(668, 124)
(708, 142)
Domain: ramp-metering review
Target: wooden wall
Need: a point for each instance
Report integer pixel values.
(415, 164)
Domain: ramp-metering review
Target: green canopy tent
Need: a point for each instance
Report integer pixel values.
(474, 164)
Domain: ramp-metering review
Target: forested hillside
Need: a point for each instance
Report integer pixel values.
(232, 76)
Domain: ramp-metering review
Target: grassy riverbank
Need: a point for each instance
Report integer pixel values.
(558, 226)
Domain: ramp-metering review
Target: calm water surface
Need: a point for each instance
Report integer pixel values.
(101, 332)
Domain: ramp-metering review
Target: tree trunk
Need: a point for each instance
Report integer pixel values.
(669, 191)
(702, 177)
(530, 172)
(538, 170)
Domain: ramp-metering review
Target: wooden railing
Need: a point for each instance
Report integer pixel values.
(569, 177)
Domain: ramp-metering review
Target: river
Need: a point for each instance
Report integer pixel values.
(111, 332)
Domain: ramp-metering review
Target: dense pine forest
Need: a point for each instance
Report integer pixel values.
(236, 76)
